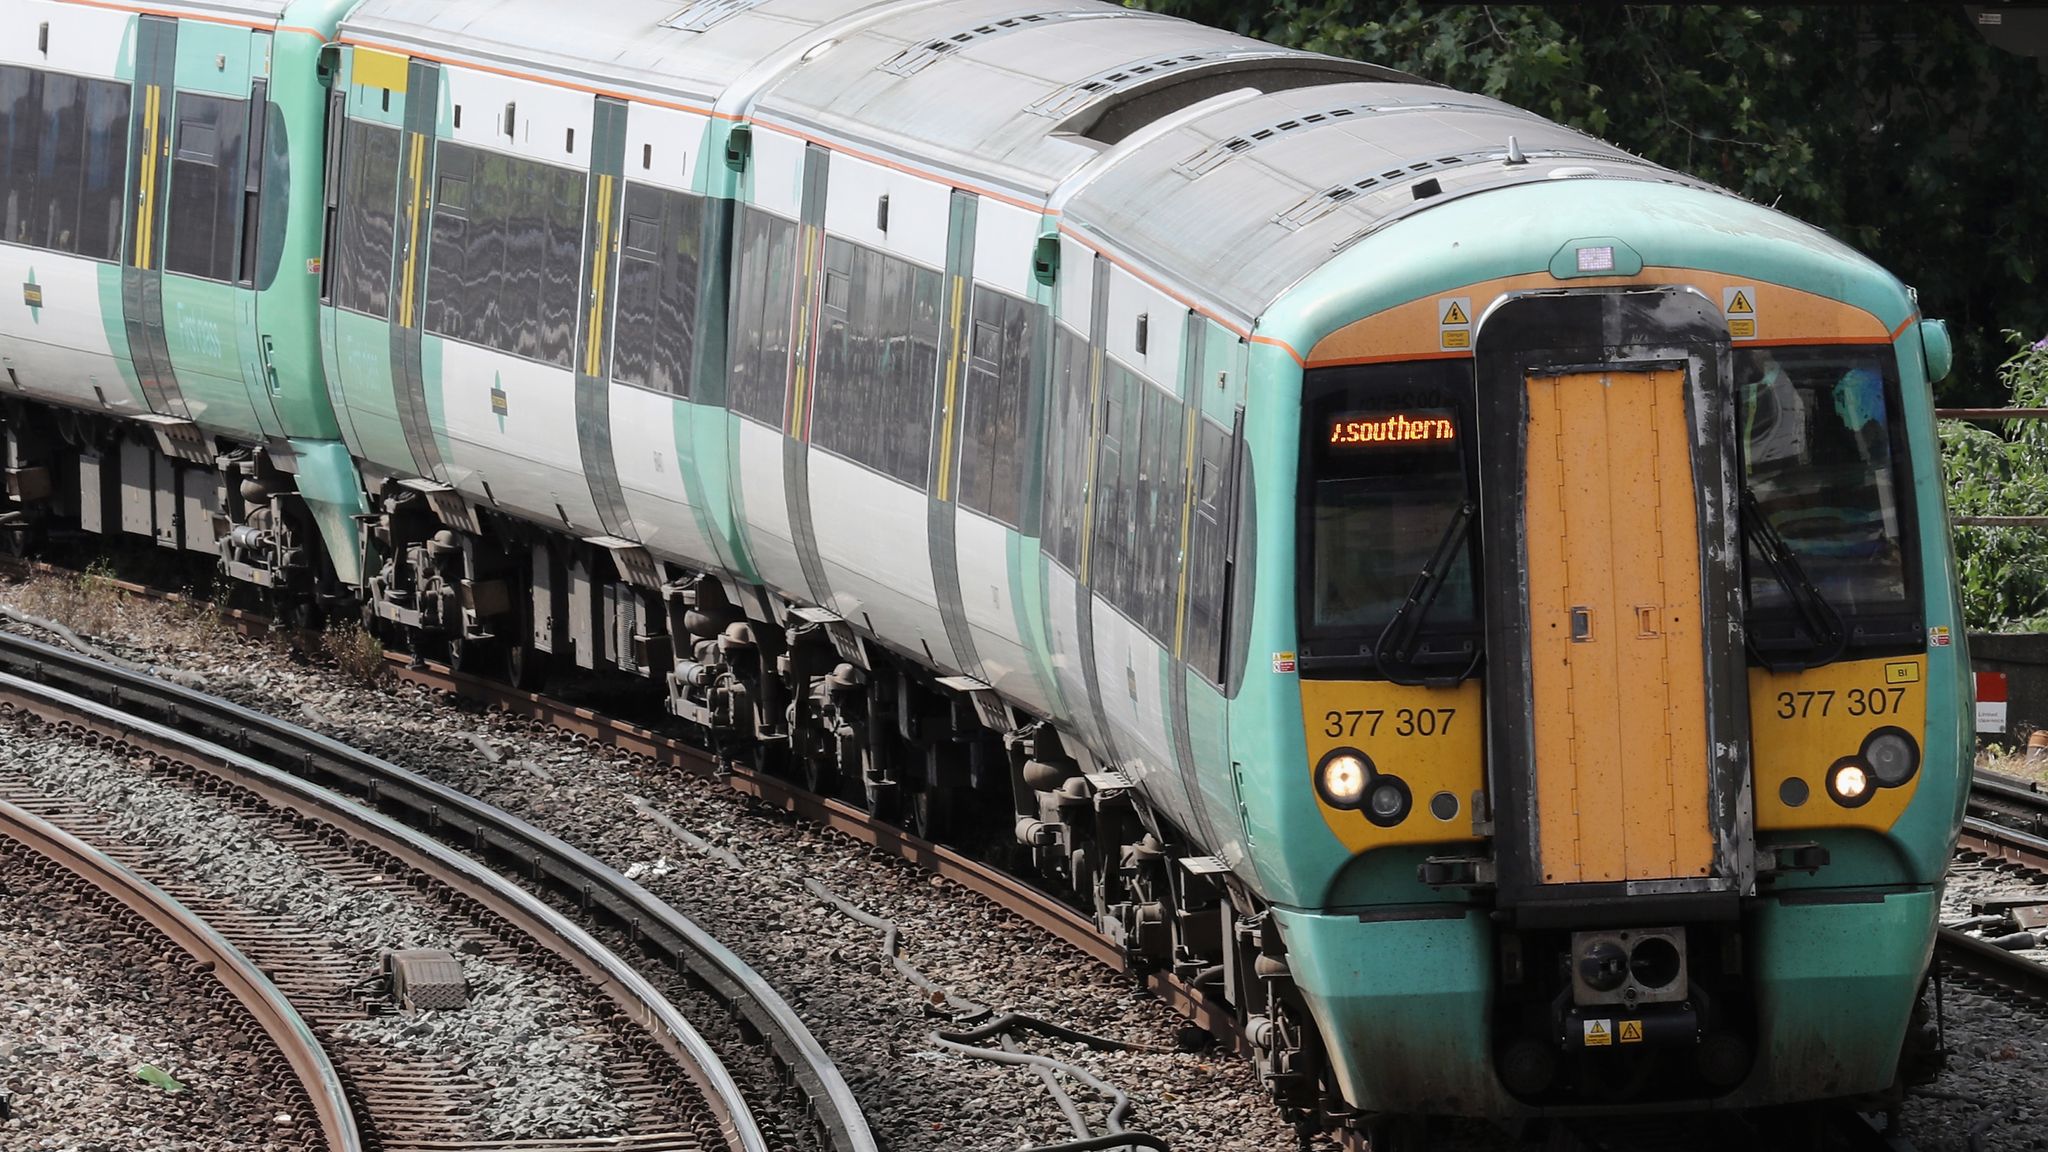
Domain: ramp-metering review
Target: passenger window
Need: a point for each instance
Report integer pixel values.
(1001, 373)
(878, 361)
(63, 161)
(1066, 450)
(761, 315)
(202, 236)
(656, 330)
(504, 260)
(369, 199)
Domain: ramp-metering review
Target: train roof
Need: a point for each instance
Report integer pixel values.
(1230, 166)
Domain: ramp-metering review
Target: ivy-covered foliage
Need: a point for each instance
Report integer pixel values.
(1895, 127)
(2003, 471)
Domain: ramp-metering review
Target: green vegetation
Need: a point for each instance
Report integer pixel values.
(1896, 128)
(2003, 471)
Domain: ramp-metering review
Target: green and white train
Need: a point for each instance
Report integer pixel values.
(1472, 603)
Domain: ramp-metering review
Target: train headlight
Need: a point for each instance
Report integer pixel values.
(1342, 777)
(1388, 802)
(1849, 782)
(1892, 756)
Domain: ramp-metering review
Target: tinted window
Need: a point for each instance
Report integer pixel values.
(1208, 551)
(369, 199)
(762, 303)
(504, 260)
(1820, 445)
(63, 161)
(1066, 449)
(878, 360)
(1384, 472)
(202, 235)
(1001, 371)
(659, 251)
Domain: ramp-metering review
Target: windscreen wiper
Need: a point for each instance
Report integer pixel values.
(1395, 652)
(1811, 610)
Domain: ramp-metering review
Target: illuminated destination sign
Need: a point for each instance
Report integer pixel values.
(1394, 429)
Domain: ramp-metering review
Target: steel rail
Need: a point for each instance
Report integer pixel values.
(288, 756)
(1987, 961)
(270, 1008)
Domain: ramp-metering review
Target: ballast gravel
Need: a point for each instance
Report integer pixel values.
(86, 1000)
(521, 1037)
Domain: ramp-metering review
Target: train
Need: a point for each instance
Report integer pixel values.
(1474, 603)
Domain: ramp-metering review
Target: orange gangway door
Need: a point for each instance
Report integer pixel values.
(1618, 662)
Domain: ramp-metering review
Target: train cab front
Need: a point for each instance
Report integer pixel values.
(1616, 684)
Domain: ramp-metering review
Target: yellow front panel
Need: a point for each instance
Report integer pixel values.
(1429, 738)
(1802, 723)
(1618, 666)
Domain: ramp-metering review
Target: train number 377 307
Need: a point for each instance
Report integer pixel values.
(1406, 722)
(1805, 705)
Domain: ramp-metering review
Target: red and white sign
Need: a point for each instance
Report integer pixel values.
(1991, 702)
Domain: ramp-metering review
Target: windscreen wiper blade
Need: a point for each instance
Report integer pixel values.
(1395, 653)
(1811, 609)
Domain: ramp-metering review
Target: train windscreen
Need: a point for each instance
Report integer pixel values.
(1385, 475)
(1821, 452)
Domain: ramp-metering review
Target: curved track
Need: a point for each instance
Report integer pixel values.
(287, 766)
(272, 1011)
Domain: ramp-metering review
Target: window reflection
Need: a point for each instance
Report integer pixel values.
(1816, 428)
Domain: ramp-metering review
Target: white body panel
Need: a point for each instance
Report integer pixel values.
(1061, 597)
(777, 166)
(651, 476)
(1133, 701)
(532, 463)
(1005, 240)
(1130, 298)
(982, 549)
(757, 475)
(874, 539)
(83, 41)
(59, 352)
(543, 116)
(662, 146)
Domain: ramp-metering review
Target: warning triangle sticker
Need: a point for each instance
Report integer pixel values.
(1455, 315)
(1740, 306)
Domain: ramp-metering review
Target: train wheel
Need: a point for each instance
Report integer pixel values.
(931, 811)
(820, 776)
(472, 656)
(523, 666)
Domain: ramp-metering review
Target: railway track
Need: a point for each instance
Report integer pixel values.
(320, 1089)
(2006, 821)
(793, 1098)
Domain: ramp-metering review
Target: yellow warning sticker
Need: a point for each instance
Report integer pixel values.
(1738, 308)
(1902, 672)
(1631, 1031)
(1454, 323)
(1599, 1033)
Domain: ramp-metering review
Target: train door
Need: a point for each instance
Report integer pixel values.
(1618, 673)
(1616, 694)
(142, 300)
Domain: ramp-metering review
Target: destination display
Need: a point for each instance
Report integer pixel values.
(1392, 429)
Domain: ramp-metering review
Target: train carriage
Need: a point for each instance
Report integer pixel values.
(1472, 602)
